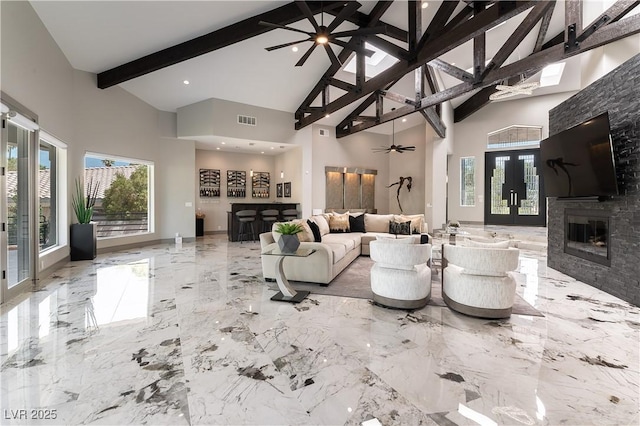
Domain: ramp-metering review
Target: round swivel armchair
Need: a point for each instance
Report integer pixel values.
(401, 276)
(477, 281)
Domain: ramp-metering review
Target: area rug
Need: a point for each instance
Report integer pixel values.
(354, 282)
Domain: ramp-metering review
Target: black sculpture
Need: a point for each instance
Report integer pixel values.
(400, 183)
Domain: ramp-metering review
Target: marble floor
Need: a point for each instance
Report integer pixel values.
(188, 335)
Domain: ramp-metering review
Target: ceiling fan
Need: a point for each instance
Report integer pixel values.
(323, 35)
(394, 148)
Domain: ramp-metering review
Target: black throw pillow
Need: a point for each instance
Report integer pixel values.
(356, 223)
(316, 231)
(402, 228)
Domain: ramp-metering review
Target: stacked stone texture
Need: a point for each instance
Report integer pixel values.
(618, 93)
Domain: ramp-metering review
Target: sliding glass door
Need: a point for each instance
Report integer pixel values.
(17, 251)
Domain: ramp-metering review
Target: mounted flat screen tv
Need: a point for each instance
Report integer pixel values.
(578, 162)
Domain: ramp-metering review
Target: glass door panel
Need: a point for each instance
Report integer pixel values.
(17, 251)
(513, 188)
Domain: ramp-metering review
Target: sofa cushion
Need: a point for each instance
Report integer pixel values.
(377, 222)
(306, 235)
(348, 240)
(322, 223)
(339, 222)
(317, 237)
(402, 228)
(417, 221)
(356, 223)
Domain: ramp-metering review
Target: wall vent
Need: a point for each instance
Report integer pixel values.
(247, 120)
(324, 132)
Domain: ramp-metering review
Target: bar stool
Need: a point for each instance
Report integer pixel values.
(269, 217)
(246, 219)
(289, 214)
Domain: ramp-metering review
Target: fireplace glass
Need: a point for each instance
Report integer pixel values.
(587, 235)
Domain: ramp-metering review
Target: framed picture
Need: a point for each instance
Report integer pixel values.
(279, 190)
(287, 189)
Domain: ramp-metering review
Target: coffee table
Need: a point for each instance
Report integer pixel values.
(287, 293)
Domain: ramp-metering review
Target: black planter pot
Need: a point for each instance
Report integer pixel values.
(83, 241)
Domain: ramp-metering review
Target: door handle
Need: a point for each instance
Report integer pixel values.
(515, 198)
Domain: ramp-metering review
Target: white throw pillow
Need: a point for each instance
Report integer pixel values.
(377, 222)
(322, 223)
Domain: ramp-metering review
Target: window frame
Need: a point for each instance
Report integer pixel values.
(150, 190)
(57, 189)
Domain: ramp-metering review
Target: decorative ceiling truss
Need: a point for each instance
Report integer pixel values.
(422, 55)
(445, 33)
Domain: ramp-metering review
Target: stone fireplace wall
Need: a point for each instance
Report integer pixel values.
(618, 93)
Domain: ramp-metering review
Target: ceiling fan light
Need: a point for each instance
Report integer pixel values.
(322, 39)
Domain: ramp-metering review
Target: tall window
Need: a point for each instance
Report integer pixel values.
(51, 177)
(123, 204)
(467, 181)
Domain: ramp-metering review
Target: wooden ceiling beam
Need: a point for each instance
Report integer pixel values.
(434, 120)
(525, 27)
(452, 70)
(465, 31)
(544, 27)
(374, 19)
(530, 64)
(234, 33)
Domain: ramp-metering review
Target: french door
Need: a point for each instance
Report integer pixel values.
(514, 194)
(16, 233)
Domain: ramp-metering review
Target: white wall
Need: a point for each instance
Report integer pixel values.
(351, 151)
(437, 152)
(216, 208)
(220, 118)
(112, 121)
(408, 164)
(470, 139)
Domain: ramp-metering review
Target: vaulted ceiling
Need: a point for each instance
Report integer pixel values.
(438, 50)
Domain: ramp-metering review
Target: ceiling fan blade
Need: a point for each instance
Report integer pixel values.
(334, 59)
(304, 7)
(368, 52)
(306, 56)
(280, 46)
(361, 31)
(283, 27)
(344, 14)
(406, 148)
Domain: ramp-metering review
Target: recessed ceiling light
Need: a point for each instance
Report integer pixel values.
(294, 48)
(272, 148)
(223, 143)
(262, 152)
(218, 148)
(186, 82)
(327, 115)
(425, 4)
(404, 120)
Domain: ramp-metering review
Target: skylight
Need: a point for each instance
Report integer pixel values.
(551, 74)
(374, 65)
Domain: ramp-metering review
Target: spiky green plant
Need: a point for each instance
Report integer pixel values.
(83, 207)
(289, 228)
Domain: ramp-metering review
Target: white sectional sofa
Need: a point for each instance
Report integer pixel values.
(336, 250)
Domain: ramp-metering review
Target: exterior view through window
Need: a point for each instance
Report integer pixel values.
(122, 204)
(467, 181)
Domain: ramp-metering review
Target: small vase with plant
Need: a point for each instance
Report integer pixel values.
(453, 227)
(289, 241)
(83, 241)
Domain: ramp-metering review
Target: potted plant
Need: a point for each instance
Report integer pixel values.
(83, 239)
(453, 227)
(289, 241)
